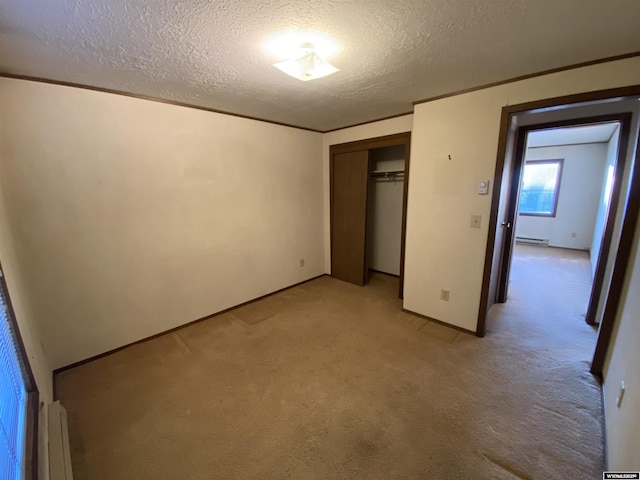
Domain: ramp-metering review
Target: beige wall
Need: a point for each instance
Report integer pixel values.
(361, 132)
(132, 217)
(30, 332)
(623, 364)
(442, 250)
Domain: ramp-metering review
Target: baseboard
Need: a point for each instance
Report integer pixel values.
(605, 444)
(455, 327)
(167, 332)
(384, 273)
(573, 249)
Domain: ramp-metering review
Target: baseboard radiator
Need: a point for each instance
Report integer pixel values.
(535, 242)
(59, 452)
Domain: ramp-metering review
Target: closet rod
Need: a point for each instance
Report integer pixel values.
(389, 173)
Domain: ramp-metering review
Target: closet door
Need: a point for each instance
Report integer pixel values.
(349, 184)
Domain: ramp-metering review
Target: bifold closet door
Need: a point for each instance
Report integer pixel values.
(349, 185)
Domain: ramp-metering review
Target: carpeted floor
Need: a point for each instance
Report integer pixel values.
(329, 380)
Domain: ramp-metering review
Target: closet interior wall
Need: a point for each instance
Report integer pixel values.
(385, 204)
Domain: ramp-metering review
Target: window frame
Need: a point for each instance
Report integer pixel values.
(556, 196)
(33, 396)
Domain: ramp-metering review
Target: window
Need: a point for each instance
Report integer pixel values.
(18, 402)
(540, 187)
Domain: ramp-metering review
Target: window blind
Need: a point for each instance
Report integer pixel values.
(13, 402)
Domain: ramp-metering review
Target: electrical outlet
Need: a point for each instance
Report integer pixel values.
(620, 394)
(302, 262)
(476, 220)
(444, 295)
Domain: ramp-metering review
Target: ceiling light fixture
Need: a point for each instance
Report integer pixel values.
(306, 64)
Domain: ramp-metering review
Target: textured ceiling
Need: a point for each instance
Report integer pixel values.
(571, 135)
(208, 53)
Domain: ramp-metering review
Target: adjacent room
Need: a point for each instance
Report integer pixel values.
(566, 181)
(289, 240)
(566, 190)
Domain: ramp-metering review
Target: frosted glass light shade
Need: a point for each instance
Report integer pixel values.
(308, 66)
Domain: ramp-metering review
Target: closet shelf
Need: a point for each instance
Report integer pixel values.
(388, 173)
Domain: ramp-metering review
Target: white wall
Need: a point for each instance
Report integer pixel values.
(580, 185)
(442, 250)
(623, 363)
(132, 217)
(384, 221)
(603, 200)
(361, 132)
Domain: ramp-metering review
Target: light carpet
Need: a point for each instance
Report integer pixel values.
(327, 380)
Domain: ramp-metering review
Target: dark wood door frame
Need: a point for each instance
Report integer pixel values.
(607, 236)
(628, 225)
(369, 144)
(518, 164)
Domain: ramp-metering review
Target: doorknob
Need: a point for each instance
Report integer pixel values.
(506, 224)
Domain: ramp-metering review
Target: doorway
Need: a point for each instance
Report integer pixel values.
(369, 181)
(620, 221)
(565, 189)
(562, 179)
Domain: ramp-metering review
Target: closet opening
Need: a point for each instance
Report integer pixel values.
(384, 210)
(369, 181)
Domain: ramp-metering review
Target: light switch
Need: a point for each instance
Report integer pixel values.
(476, 220)
(483, 187)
